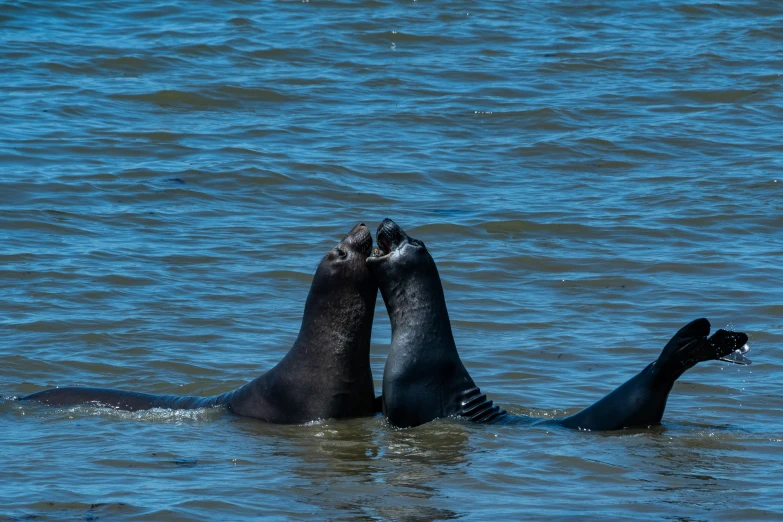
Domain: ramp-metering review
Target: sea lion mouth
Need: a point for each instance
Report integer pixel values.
(389, 237)
(383, 248)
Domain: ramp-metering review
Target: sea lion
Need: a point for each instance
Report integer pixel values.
(425, 379)
(326, 374)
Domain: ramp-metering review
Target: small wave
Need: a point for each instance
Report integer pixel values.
(173, 98)
(157, 415)
(715, 96)
(286, 275)
(253, 94)
(130, 64)
(69, 68)
(287, 54)
(516, 227)
(441, 229)
(124, 280)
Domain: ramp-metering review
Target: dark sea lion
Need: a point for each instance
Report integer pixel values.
(425, 379)
(326, 374)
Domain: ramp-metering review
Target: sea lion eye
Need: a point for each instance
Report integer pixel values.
(340, 252)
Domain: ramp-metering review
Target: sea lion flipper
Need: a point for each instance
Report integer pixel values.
(682, 341)
(691, 346)
(730, 346)
(641, 400)
(696, 328)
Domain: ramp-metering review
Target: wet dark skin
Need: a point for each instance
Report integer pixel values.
(326, 374)
(425, 379)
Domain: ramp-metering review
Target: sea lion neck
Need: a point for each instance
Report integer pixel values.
(337, 319)
(417, 310)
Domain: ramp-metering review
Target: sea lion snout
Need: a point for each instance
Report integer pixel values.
(359, 239)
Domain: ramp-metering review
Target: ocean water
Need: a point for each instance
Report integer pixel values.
(589, 177)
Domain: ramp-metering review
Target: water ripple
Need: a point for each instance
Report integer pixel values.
(588, 177)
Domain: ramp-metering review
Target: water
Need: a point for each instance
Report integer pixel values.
(589, 176)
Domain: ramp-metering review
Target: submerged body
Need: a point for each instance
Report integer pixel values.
(326, 374)
(425, 379)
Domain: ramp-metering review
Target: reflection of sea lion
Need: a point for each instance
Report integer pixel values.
(326, 374)
(424, 377)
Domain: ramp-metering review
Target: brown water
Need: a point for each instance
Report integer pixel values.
(588, 176)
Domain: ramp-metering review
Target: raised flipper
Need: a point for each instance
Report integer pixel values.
(641, 401)
(738, 356)
(691, 346)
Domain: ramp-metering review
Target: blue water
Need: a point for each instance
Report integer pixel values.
(589, 177)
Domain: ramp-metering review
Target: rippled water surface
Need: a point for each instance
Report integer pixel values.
(589, 176)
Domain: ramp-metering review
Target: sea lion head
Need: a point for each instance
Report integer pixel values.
(341, 302)
(406, 275)
(397, 253)
(346, 263)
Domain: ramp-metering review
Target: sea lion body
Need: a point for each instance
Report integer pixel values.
(425, 379)
(326, 374)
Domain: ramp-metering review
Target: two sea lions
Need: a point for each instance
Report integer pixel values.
(425, 379)
(326, 374)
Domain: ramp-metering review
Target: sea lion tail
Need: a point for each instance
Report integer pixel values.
(691, 346)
